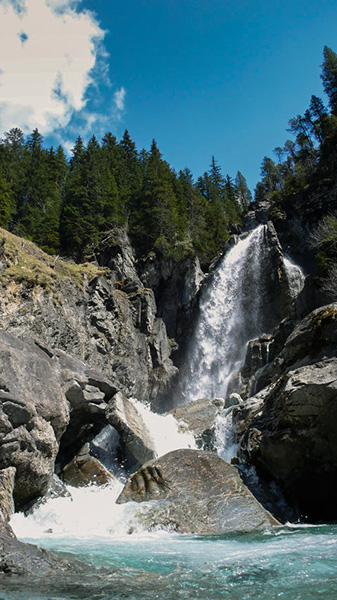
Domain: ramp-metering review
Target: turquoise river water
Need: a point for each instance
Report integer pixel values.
(292, 562)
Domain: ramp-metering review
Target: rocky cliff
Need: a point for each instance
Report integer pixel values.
(102, 315)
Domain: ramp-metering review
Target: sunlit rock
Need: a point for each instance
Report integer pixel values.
(84, 470)
(195, 492)
(125, 418)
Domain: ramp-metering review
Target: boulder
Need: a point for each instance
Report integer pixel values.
(199, 417)
(50, 405)
(292, 344)
(85, 470)
(56, 489)
(195, 492)
(125, 418)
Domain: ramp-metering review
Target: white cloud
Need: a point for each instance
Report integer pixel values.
(48, 50)
(119, 98)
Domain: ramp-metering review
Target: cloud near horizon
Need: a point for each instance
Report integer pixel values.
(50, 53)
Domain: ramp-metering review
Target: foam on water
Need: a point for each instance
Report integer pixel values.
(88, 513)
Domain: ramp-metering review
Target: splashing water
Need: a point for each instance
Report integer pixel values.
(166, 432)
(231, 313)
(226, 442)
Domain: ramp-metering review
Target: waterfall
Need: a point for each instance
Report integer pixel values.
(231, 313)
(295, 277)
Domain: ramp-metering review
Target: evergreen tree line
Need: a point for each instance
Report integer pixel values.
(67, 206)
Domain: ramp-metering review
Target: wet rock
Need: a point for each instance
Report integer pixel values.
(18, 558)
(56, 489)
(199, 417)
(195, 492)
(233, 400)
(125, 418)
(85, 470)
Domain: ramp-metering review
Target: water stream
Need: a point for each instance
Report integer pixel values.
(288, 563)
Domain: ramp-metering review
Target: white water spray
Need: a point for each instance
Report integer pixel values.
(166, 432)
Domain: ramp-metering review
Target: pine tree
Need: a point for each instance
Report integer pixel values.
(72, 223)
(242, 192)
(5, 202)
(155, 221)
(47, 232)
(329, 77)
(12, 157)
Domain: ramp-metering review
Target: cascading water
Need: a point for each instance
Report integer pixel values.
(295, 276)
(231, 313)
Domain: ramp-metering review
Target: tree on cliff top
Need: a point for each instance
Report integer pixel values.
(329, 77)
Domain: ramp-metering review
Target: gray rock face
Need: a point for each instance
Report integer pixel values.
(288, 431)
(195, 492)
(175, 285)
(50, 405)
(6, 493)
(125, 418)
(116, 253)
(313, 339)
(258, 214)
(33, 415)
(108, 321)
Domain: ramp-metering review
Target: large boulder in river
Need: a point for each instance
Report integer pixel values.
(195, 492)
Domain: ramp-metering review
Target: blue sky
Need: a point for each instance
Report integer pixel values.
(202, 77)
